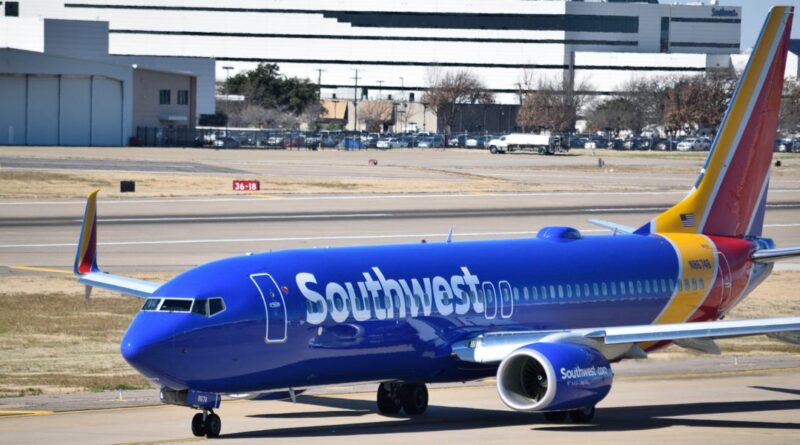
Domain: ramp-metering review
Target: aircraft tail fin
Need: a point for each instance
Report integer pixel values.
(729, 196)
(86, 268)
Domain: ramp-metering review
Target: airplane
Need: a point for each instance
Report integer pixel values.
(546, 315)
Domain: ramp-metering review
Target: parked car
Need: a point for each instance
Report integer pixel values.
(226, 142)
(388, 143)
(694, 144)
(666, 144)
(431, 142)
(351, 143)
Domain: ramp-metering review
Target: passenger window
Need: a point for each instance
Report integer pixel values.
(586, 290)
(560, 291)
(170, 305)
(686, 284)
(638, 287)
(655, 286)
(694, 284)
(216, 305)
(613, 288)
(525, 294)
(663, 286)
(622, 290)
(553, 292)
(646, 287)
(569, 291)
(605, 288)
(578, 290)
(151, 304)
(534, 293)
(516, 294)
(596, 290)
(702, 283)
(630, 287)
(544, 293)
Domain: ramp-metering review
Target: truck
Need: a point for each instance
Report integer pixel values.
(544, 143)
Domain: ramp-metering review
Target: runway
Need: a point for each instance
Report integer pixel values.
(135, 234)
(756, 400)
(730, 404)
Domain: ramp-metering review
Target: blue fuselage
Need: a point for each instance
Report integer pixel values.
(298, 318)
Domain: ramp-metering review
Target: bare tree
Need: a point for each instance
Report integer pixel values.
(447, 90)
(790, 107)
(618, 113)
(552, 106)
(258, 116)
(375, 113)
(692, 103)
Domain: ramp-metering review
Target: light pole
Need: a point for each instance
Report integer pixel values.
(380, 89)
(335, 103)
(227, 97)
(319, 83)
(405, 105)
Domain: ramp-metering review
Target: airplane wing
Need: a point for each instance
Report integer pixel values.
(86, 268)
(614, 227)
(494, 347)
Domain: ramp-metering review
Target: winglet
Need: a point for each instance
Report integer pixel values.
(86, 255)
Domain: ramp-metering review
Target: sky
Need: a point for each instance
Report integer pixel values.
(753, 14)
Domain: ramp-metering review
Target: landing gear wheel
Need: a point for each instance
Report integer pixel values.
(582, 415)
(198, 426)
(389, 398)
(414, 398)
(555, 416)
(213, 426)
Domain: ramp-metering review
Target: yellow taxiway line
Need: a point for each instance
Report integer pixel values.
(41, 269)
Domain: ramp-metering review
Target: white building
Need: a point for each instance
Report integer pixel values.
(60, 86)
(391, 47)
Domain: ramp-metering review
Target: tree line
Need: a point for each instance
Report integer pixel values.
(675, 103)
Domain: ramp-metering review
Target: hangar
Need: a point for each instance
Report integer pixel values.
(59, 86)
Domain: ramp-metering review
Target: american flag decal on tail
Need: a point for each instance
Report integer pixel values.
(687, 219)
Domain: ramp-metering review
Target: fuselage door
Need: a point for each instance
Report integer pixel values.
(274, 306)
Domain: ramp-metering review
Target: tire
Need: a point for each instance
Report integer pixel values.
(198, 427)
(582, 415)
(542, 151)
(213, 426)
(493, 150)
(414, 398)
(555, 416)
(388, 399)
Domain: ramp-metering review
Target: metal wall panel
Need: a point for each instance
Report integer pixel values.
(43, 110)
(106, 112)
(12, 110)
(75, 111)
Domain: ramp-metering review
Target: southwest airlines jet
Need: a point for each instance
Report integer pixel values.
(545, 315)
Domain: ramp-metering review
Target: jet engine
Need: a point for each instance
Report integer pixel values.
(553, 377)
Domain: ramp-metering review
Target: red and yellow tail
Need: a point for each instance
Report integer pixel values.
(729, 197)
(86, 256)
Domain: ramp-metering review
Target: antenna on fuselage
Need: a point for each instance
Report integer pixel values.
(450, 236)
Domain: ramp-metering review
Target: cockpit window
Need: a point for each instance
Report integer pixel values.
(174, 305)
(209, 307)
(151, 304)
(215, 306)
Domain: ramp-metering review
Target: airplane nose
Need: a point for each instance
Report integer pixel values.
(148, 344)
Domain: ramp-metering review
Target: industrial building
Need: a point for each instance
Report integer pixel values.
(392, 47)
(60, 86)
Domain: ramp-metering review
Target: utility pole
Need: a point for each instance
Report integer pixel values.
(319, 83)
(405, 105)
(355, 101)
(380, 89)
(227, 97)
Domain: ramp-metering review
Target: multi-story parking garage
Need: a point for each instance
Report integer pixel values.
(392, 46)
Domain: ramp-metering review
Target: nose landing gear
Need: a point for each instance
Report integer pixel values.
(409, 397)
(206, 424)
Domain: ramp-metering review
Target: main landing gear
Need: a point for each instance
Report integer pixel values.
(206, 424)
(580, 415)
(409, 397)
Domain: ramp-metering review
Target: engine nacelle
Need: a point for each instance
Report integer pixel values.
(553, 377)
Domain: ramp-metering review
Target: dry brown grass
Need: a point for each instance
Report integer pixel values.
(50, 185)
(53, 340)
